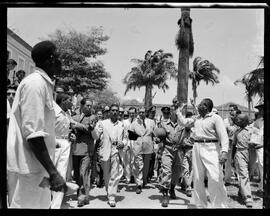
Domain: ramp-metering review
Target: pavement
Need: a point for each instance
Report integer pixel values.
(150, 198)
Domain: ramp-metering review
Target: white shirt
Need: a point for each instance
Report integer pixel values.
(209, 127)
(62, 122)
(32, 115)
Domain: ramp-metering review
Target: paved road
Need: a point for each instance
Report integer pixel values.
(127, 198)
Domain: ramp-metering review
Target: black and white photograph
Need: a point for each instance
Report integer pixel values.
(135, 106)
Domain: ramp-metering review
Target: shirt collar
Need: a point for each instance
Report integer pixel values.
(115, 122)
(44, 75)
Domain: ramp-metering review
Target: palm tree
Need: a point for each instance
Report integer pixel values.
(203, 70)
(185, 45)
(254, 83)
(154, 70)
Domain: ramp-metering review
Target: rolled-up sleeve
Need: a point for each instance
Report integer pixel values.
(222, 133)
(181, 120)
(32, 105)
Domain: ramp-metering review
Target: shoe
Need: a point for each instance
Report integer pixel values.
(188, 193)
(165, 201)
(248, 203)
(112, 203)
(172, 194)
(83, 202)
(138, 189)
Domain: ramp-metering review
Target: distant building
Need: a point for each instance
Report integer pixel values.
(20, 51)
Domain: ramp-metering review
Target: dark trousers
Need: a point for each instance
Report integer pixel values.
(82, 166)
(151, 166)
(146, 163)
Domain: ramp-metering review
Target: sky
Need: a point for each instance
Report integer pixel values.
(232, 39)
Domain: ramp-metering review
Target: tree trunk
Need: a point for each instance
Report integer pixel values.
(183, 62)
(148, 97)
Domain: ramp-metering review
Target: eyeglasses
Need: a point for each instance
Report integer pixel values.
(141, 112)
(10, 93)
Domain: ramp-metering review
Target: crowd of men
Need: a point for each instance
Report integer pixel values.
(49, 138)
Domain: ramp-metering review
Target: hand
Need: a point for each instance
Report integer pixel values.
(73, 124)
(223, 157)
(72, 137)
(120, 145)
(57, 183)
(126, 148)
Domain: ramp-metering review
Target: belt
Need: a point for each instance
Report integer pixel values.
(62, 137)
(206, 141)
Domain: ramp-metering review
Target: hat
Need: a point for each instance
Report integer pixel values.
(132, 135)
(214, 110)
(165, 109)
(59, 90)
(160, 133)
(152, 109)
(106, 108)
(260, 103)
(174, 99)
(121, 109)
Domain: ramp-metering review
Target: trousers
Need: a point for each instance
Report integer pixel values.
(29, 195)
(186, 167)
(170, 166)
(228, 164)
(61, 162)
(242, 164)
(205, 162)
(113, 171)
(128, 163)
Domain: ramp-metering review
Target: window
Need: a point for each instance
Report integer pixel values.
(21, 63)
(32, 67)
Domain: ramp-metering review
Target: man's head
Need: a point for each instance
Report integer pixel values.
(86, 106)
(20, 74)
(126, 114)
(46, 57)
(99, 115)
(64, 101)
(11, 91)
(121, 112)
(114, 109)
(233, 109)
(241, 120)
(205, 106)
(174, 102)
(106, 112)
(152, 112)
(142, 113)
(166, 112)
(11, 64)
(132, 112)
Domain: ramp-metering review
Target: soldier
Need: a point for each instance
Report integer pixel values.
(170, 161)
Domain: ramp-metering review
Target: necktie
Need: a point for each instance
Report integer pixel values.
(144, 123)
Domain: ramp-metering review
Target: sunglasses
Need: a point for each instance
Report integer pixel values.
(10, 93)
(114, 110)
(141, 112)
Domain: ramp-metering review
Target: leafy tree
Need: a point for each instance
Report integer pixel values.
(185, 45)
(76, 50)
(103, 98)
(154, 70)
(203, 70)
(254, 83)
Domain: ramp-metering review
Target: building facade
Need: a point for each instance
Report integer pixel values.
(20, 51)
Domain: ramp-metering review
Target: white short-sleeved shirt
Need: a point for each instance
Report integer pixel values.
(32, 115)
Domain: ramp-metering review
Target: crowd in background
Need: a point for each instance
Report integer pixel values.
(101, 146)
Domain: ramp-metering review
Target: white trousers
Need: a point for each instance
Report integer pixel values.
(61, 163)
(29, 195)
(12, 179)
(113, 171)
(205, 161)
(259, 153)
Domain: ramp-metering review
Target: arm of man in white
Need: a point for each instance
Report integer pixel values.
(222, 133)
(181, 120)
